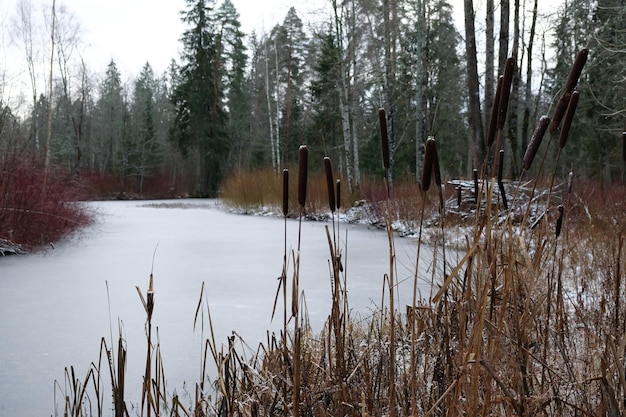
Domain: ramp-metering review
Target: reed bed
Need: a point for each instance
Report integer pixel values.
(530, 319)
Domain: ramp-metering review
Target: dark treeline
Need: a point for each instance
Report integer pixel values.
(235, 101)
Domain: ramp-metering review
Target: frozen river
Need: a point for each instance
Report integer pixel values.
(55, 308)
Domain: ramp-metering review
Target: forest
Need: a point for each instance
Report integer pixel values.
(234, 102)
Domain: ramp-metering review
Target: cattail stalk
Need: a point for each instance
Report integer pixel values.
(535, 141)
(303, 161)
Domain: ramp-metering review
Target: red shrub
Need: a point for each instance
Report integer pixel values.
(31, 216)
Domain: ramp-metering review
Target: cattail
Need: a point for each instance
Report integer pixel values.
(436, 165)
(475, 173)
(559, 111)
(458, 196)
(535, 141)
(493, 122)
(577, 69)
(150, 299)
(338, 199)
(572, 80)
(500, 165)
(624, 146)
(303, 161)
(569, 116)
(505, 203)
(330, 184)
(509, 68)
(285, 192)
(559, 220)
(427, 169)
(384, 140)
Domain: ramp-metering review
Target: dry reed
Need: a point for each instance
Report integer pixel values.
(529, 321)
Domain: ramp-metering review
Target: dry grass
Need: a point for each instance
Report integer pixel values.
(531, 320)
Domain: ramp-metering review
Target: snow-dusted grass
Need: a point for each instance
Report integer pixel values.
(529, 320)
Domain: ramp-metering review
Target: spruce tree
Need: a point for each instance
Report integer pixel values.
(200, 121)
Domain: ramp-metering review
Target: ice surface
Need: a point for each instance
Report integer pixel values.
(54, 307)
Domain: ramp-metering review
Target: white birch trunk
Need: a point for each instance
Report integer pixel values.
(275, 162)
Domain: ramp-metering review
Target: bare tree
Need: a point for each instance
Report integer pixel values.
(49, 115)
(23, 32)
(477, 143)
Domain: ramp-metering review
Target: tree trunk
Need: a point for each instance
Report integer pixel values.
(354, 101)
(490, 82)
(529, 73)
(343, 101)
(46, 164)
(273, 140)
(514, 98)
(503, 52)
(420, 137)
(473, 87)
(388, 89)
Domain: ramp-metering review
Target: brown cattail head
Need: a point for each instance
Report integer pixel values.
(493, 122)
(150, 298)
(436, 166)
(572, 80)
(330, 184)
(535, 141)
(475, 175)
(384, 139)
(509, 69)
(577, 69)
(569, 116)
(338, 195)
(559, 111)
(303, 161)
(559, 220)
(500, 165)
(429, 157)
(285, 192)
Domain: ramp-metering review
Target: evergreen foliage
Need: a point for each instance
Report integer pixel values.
(233, 102)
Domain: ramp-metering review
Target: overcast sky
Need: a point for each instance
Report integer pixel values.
(133, 32)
